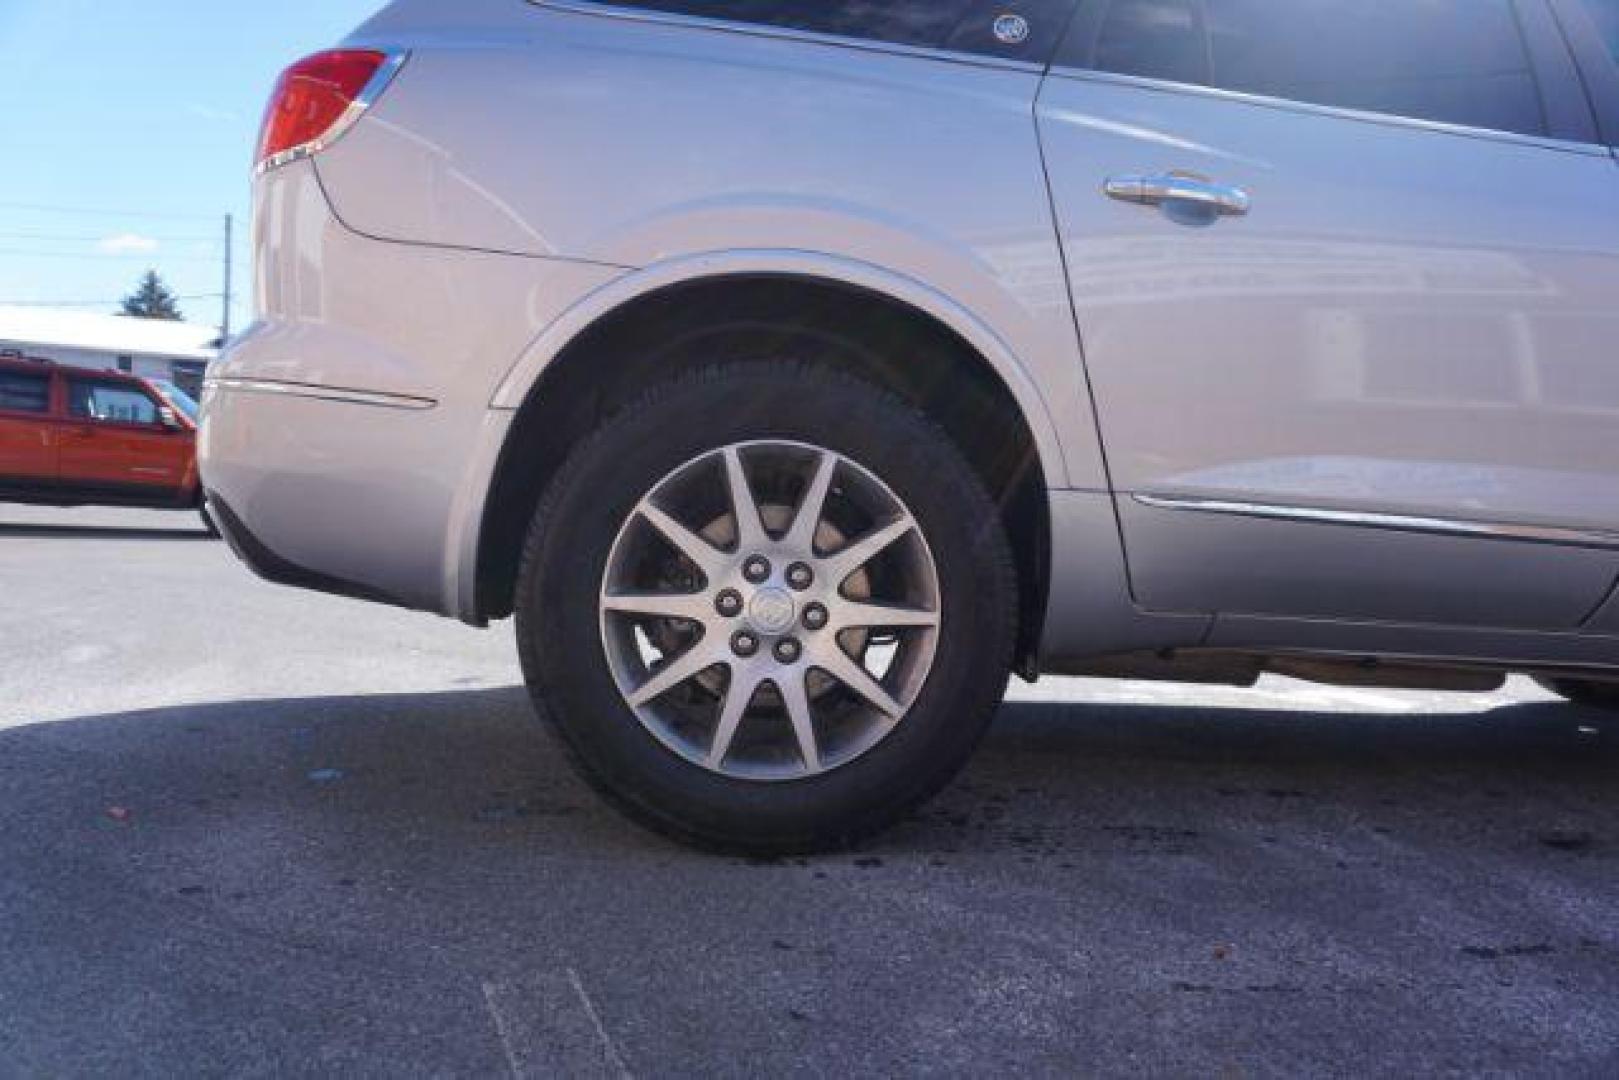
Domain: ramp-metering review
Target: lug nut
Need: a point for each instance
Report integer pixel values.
(744, 644)
(729, 603)
(816, 617)
(788, 650)
(800, 576)
(756, 569)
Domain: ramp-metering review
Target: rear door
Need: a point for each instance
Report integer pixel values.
(1346, 273)
(114, 441)
(27, 434)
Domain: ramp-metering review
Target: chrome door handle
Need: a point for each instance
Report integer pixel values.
(1223, 199)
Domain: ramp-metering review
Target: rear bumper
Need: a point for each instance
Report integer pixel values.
(354, 499)
(272, 567)
(373, 502)
(348, 436)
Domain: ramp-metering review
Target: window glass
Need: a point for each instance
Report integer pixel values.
(909, 22)
(111, 403)
(1605, 13)
(22, 392)
(1014, 29)
(982, 29)
(1155, 39)
(1454, 61)
(179, 398)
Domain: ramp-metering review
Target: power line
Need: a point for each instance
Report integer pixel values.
(67, 239)
(110, 253)
(147, 256)
(97, 303)
(84, 211)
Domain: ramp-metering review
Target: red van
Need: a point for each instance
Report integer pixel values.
(72, 437)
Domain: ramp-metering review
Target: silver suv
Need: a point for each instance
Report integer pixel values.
(793, 371)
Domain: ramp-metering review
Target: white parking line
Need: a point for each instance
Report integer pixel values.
(503, 1030)
(549, 1026)
(608, 1046)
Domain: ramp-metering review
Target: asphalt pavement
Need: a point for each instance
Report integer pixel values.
(246, 831)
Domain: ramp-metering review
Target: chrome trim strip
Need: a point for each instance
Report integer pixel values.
(1532, 534)
(357, 108)
(322, 393)
(606, 9)
(1238, 97)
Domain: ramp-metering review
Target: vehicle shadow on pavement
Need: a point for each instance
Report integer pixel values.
(90, 532)
(327, 884)
(480, 759)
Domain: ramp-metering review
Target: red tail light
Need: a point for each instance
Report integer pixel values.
(319, 98)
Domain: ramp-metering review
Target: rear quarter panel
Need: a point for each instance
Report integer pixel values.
(635, 144)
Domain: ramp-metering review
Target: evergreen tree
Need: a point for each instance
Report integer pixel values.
(152, 300)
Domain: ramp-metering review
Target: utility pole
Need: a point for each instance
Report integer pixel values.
(224, 324)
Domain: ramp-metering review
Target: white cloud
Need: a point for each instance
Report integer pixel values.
(128, 244)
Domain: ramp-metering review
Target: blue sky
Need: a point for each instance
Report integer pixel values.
(140, 119)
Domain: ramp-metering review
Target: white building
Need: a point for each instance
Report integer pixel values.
(154, 349)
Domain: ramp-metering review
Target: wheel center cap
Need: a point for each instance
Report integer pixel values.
(772, 611)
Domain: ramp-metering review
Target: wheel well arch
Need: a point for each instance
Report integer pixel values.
(753, 316)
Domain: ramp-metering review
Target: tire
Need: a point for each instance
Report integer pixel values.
(876, 447)
(1593, 694)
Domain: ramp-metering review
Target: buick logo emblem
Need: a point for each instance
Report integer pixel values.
(772, 612)
(1011, 29)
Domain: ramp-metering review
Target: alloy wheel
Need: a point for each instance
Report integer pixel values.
(770, 611)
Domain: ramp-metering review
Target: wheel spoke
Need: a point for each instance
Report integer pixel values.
(691, 663)
(813, 508)
(840, 565)
(692, 607)
(738, 696)
(838, 664)
(708, 558)
(750, 529)
(852, 615)
(796, 698)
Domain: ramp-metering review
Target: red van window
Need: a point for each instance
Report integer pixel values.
(24, 392)
(111, 402)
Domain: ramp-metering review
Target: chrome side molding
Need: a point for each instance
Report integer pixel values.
(1532, 534)
(321, 393)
